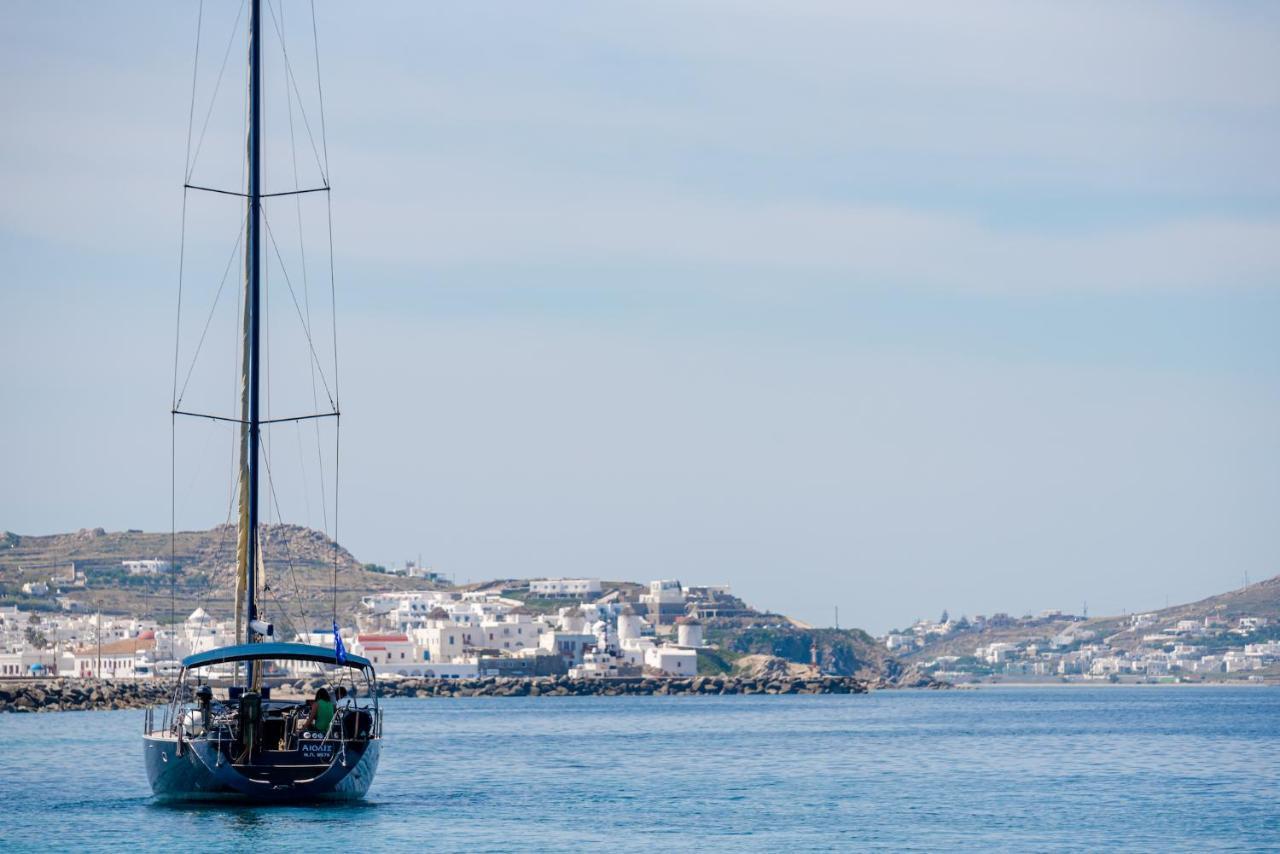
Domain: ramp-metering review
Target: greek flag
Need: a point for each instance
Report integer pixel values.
(339, 651)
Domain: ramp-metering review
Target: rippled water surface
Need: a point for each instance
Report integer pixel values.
(1032, 769)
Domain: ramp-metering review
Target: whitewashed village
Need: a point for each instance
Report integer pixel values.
(582, 628)
(1064, 647)
(445, 634)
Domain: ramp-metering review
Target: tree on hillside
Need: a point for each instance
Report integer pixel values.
(35, 639)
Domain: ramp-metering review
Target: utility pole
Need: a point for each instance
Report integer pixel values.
(98, 671)
(837, 607)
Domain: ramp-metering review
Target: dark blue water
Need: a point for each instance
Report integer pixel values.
(1027, 769)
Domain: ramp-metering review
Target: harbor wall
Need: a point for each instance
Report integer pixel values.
(564, 686)
(53, 695)
(71, 695)
(76, 694)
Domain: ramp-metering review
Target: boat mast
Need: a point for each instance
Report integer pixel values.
(253, 274)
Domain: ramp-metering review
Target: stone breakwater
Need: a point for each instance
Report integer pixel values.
(66, 695)
(563, 686)
(71, 695)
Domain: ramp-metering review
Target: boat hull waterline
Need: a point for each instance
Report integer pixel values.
(198, 772)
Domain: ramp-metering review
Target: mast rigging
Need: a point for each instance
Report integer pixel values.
(247, 551)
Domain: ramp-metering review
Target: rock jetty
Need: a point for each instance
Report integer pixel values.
(67, 695)
(563, 686)
(71, 695)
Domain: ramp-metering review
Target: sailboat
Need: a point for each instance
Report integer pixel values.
(222, 735)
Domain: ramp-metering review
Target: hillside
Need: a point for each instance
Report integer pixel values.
(83, 570)
(843, 652)
(86, 567)
(745, 638)
(1260, 599)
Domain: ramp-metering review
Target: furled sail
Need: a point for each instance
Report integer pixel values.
(242, 526)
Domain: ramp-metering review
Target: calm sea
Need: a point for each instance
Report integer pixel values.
(1161, 768)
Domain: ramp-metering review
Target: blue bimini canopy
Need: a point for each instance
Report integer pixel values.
(258, 651)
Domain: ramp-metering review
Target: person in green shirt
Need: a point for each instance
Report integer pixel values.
(321, 712)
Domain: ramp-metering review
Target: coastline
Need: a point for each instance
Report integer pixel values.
(54, 695)
(1102, 683)
(79, 695)
(67, 695)
(564, 686)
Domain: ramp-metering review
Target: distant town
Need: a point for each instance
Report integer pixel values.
(1053, 646)
(579, 627)
(86, 605)
(579, 630)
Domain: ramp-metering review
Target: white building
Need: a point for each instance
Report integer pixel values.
(146, 567)
(386, 651)
(565, 588)
(572, 620)
(441, 640)
(630, 624)
(569, 645)
(666, 596)
(1108, 665)
(454, 670)
(897, 640)
(119, 659)
(28, 662)
(667, 592)
(1142, 621)
(1209, 664)
(510, 633)
(672, 660)
(1270, 649)
(996, 653)
(596, 664)
(200, 633)
(689, 632)
(1235, 661)
(407, 610)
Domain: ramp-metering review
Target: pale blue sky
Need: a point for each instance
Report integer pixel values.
(969, 305)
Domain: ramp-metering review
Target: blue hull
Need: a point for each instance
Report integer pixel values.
(199, 773)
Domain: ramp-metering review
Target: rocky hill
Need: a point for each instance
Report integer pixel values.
(1260, 599)
(750, 646)
(85, 568)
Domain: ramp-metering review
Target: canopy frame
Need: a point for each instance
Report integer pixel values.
(274, 650)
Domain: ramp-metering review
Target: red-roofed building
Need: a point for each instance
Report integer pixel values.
(386, 651)
(120, 659)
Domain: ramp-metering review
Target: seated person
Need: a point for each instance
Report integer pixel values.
(321, 712)
(351, 719)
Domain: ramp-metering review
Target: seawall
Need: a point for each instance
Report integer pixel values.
(54, 695)
(563, 686)
(70, 695)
